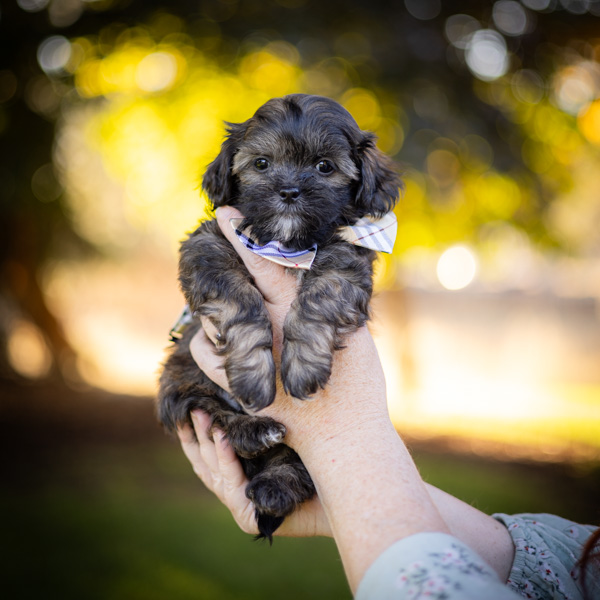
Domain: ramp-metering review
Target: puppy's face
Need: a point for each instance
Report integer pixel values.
(300, 168)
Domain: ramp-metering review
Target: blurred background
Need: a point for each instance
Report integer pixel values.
(487, 315)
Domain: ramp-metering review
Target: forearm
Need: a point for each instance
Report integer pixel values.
(371, 492)
(489, 538)
(367, 482)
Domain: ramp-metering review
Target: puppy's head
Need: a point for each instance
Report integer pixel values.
(300, 168)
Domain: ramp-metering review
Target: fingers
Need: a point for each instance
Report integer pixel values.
(210, 330)
(208, 462)
(217, 465)
(229, 465)
(192, 450)
(274, 283)
(233, 488)
(203, 352)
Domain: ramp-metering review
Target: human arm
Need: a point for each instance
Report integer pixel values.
(369, 489)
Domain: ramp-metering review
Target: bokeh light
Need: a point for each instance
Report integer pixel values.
(498, 146)
(576, 85)
(537, 4)
(510, 17)
(33, 5)
(487, 55)
(27, 350)
(156, 71)
(423, 10)
(457, 267)
(589, 122)
(54, 53)
(459, 29)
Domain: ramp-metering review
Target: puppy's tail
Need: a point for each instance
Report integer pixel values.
(267, 524)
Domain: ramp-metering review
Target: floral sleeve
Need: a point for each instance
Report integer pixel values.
(547, 551)
(431, 566)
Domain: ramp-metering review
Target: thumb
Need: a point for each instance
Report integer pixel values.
(276, 285)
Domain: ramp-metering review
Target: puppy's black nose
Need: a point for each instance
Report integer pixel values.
(289, 195)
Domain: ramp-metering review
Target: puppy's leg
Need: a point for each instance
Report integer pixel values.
(280, 485)
(216, 284)
(183, 388)
(333, 300)
(251, 436)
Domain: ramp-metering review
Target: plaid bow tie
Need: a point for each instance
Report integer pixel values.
(377, 235)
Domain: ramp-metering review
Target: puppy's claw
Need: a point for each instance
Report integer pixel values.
(273, 435)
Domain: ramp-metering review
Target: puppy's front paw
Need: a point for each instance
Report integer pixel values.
(251, 436)
(250, 366)
(303, 372)
(253, 386)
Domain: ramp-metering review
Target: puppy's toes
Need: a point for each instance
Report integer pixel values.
(251, 436)
(252, 379)
(280, 490)
(301, 374)
(272, 434)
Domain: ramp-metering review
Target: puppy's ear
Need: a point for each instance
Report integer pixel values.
(218, 181)
(379, 187)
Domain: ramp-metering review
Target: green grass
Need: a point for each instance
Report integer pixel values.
(115, 547)
(103, 530)
(91, 510)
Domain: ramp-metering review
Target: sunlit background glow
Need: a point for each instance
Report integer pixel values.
(456, 268)
(487, 332)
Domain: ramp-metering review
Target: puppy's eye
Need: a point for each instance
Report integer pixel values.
(324, 167)
(261, 164)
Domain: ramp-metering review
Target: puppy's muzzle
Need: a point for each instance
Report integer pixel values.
(289, 195)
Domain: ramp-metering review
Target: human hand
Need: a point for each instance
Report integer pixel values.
(216, 464)
(356, 389)
(277, 285)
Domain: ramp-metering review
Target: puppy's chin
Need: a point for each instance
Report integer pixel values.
(287, 228)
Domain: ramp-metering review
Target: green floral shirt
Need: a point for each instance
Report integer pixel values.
(547, 549)
(437, 566)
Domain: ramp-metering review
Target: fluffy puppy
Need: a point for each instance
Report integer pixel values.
(298, 170)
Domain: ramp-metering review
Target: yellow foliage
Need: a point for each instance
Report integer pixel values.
(363, 106)
(589, 122)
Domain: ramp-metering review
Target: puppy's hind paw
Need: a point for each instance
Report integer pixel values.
(280, 490)
(251, 436)
(270, 497)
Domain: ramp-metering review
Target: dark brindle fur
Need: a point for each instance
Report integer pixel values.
(321, 172)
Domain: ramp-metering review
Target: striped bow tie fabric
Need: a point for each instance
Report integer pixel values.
(378, 234)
